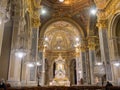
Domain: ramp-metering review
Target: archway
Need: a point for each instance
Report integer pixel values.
(61, 36)
(73, 76)
(115, 45)
(115, 34)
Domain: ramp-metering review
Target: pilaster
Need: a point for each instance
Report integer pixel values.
(102, 26)
(91, 46)
(83, 62)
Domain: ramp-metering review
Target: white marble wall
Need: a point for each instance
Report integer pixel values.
(3, 5)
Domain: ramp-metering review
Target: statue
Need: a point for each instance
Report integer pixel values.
(60, 78)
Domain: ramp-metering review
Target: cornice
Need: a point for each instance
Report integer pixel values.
(111, 8)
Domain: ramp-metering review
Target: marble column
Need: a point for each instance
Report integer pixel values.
(78, 66)
(91, 46)
(35, 24)
(83, 62)
(78, 69)
(34, 56)
(102, 26)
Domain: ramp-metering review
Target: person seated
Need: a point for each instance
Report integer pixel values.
(108, 85)
(2, 84)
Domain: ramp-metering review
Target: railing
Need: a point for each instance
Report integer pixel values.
(66, 88)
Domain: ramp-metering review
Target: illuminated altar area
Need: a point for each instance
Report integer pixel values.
(60, 78)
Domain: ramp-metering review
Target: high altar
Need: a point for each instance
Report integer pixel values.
(60, 78)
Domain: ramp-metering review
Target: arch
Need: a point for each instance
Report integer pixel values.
(73, 75)
(42, 31)
(114, 19)
(113, 35)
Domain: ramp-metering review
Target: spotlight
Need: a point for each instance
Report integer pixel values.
(43, 11)
(93, 11)
(46, 39)
(61, 0)
(77, 39)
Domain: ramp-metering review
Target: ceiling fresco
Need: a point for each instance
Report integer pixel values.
(61, 35)
(78, 10)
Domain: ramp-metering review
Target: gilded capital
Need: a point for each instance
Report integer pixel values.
(91, 46)
(102, 24)
(83, 48)
(91, 42)
(35, 22)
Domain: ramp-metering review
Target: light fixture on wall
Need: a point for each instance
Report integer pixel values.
(30, 65)
(38, 63)
(20, 52)
(99, 63)
(116, 63)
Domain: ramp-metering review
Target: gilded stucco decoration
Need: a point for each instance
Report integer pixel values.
(33, 7)
(92, 42)
(111, 9)
(101, 4)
